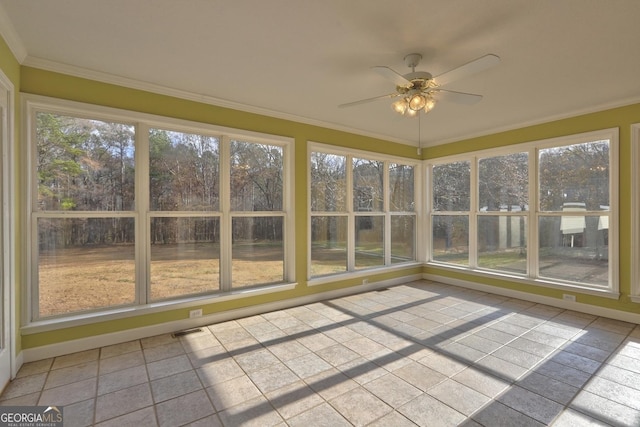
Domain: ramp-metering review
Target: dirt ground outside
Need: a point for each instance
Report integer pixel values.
(81, 279)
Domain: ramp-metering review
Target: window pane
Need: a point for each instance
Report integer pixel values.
(575, 174)
(258, 251)
(401, 188)
(451, 239)
(185, 256)
(256, 177)
(328, 183)
(502, 243)
(369, 243)
(403, 238)
(183, 171)
(368, 178)
(503, 183)
(451, 184)
(85, 264)
(576, 254)
(328, 245)
(84, 165)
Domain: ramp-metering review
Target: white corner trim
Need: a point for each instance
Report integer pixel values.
(540, 299)
(73, 346)
(635, 213)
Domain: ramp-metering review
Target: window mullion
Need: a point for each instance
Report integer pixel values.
(226, 235)
(473, 213)
(386, 208)
(143, 219)
(32, 309)
(351, 221)
(533, 215)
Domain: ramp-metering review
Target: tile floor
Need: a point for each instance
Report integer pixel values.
(422, 353)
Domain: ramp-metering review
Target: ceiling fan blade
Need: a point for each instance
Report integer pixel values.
(468, 69)
(364, 101)
(456, 97)
(391, 75)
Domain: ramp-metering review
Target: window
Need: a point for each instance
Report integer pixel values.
(573, 224)
(377, 228)
(481, 216)
(146, 210)
(184, 205)
(83, 214)
(503, 197)
(451, 203)
(257, 215)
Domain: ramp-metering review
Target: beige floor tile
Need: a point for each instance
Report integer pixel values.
(119, 349)
(423, 353)
(331, 383)
(360, 407)
(426, 410)
(392, 390)
(36, 367)
(71, 374)
(419, 375)
(321, 416)
(69, 393)
(184, 409)
(120, 362)
(219, 371)
(145, 417)
(76, 359)
(293, 399)
(166, 367)
(121, 402)
(24, 385)
(175, 385)
(79, 414)
(232, 392)
(164, 351)
(458, 396)
(119, 380)
(256, 412)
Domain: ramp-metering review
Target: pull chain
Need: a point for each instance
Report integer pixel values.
(419, 139)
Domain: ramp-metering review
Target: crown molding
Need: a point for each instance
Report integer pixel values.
(108, 78)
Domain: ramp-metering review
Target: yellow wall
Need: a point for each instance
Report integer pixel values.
(52, 84)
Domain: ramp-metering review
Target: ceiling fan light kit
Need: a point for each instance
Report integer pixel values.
(419, 90)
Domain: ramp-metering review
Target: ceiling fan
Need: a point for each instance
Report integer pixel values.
(419, 90)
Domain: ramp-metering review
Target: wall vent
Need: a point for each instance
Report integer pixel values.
(185, 332)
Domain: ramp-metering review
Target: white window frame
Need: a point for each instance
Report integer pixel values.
(635, 213)
(8, 223)
(610, 291)
(143, 122)
(351, 214)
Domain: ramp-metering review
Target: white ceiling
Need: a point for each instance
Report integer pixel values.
(300, 59)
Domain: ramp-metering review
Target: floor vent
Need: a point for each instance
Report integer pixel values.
(185, 332)
(382, 290)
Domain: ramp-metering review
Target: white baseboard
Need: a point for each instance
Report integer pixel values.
(555, 302)
(73, 346)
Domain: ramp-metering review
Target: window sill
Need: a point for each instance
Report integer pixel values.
(133, 311)
(547, 283)
(360, 274)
